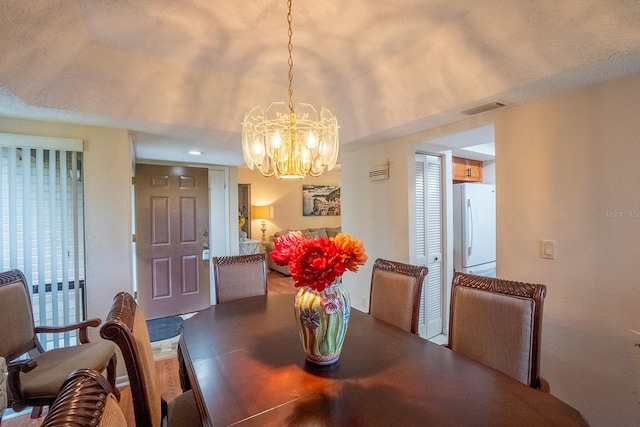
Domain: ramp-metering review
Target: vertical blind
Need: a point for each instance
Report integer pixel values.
(41, 226)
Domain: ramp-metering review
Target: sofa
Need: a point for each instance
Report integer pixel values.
(309, 233)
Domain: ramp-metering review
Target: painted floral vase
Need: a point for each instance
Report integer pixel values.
(322, 319)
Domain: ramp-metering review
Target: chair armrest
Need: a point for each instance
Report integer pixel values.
(80, 326)
(15, 393)
(18, 366)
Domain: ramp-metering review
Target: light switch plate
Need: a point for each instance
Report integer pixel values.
(548, 249)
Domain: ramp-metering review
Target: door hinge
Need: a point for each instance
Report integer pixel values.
(133, 180)
(135, 295)
(133, 238)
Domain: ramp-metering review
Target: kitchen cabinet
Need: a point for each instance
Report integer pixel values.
(466, 170)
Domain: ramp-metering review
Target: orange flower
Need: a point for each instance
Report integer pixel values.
(352, 251)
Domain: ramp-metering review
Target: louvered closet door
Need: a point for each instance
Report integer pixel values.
(429, 241)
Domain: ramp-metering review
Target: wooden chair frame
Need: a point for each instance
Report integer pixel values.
(417, 272)
(118, 327)
(82, 400)
(534, 292)
(17, 399)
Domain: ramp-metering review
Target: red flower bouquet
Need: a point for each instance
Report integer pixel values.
(318, 262)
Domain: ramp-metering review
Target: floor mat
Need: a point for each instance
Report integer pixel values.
(163, 328)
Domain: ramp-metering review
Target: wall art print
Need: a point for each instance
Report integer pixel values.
(320, 200)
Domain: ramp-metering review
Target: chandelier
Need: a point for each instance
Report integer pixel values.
(288, 142)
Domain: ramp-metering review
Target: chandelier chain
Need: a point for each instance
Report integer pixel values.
(290, 47)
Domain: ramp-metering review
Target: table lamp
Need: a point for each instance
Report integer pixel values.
(263, 213)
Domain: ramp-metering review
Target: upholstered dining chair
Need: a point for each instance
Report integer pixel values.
(86, 399)
(498, 323)
(395, 293)
(240, 276)
(126, 326)
(36, 379)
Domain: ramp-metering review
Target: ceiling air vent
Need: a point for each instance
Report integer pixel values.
(482, 108)
(379, 172)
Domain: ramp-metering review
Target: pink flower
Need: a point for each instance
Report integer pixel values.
(331, 304)
(284, 245)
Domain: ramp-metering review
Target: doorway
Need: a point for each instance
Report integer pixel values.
(244, 210)
(476, 144)
(172, 237)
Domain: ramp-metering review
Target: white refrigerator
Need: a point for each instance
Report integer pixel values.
(474, 229)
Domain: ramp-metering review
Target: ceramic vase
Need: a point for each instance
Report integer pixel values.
(322, 319)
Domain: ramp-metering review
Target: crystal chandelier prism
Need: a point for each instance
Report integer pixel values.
(285, 142)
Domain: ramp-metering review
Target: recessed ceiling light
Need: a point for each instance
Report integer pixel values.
(195, 152)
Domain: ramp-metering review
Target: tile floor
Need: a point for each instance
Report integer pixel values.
(167, 348)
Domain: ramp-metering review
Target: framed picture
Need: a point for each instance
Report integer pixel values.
(320, 200)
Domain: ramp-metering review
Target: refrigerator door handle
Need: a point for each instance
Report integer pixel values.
(470, 227)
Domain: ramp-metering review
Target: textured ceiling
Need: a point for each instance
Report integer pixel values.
(181, 74)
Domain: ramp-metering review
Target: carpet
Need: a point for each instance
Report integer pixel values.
(163, 328)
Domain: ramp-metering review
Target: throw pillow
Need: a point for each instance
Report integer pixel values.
(280, 233)
(310, 234)
(331, 232)
(322, 232)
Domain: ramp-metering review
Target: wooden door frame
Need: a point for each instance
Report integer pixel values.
(228, 237)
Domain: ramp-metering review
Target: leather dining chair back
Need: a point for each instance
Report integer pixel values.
(240, 276)
(126, 326)
(86, 399)
(498, 323)
(396, 289)
(36, 380)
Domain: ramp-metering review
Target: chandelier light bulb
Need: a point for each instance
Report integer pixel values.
(257, 148)
(311, 140)
(305, 155)
(276, 142)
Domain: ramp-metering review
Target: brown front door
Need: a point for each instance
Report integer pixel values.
(172, 223)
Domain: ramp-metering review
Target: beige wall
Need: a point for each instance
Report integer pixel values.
(568, 169)
(377, 212)
(286, 198)
(107, 186)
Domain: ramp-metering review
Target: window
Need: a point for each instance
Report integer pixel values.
(41, 225)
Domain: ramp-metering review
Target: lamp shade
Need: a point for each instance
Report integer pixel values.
(262, 212)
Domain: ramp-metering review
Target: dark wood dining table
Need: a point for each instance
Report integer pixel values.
(246, 366)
